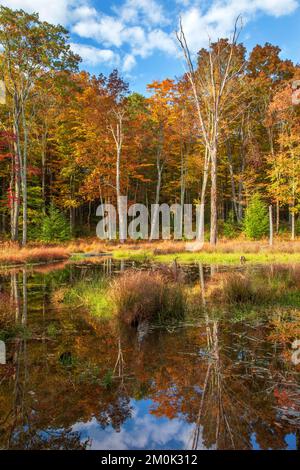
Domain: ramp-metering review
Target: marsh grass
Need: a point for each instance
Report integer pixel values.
(147, 295)
(92, 295)
(268, 286)
(226, 252)
(238, 288)
(162, 294)
(12, 254)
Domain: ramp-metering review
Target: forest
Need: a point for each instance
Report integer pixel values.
(150, 342)
(224, 135)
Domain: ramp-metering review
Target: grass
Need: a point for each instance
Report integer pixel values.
(134, 296)
(276, 286)
(91, 295)
(163, 294)
(11, 254)
(226, 252)
(146, 295)
(211, 257)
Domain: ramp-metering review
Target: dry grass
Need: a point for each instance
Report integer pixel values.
(238, 288)
(11, 254)
(162, 247)
(257, 288)
(142, 295)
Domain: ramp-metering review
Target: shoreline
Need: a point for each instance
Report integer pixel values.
(44, 256)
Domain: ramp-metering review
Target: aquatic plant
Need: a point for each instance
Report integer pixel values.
(92, 295)
(267, 286)
(147, 295)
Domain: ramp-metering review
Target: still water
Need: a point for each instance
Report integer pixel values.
(72, 381)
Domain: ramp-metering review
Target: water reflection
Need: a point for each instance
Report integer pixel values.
(74, 382)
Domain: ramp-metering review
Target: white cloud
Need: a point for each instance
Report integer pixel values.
(112, 32)
(146, 432)
(53, 11)
(217, 20)
(129, 63)
(140, 25)
(105, 29)
(84, 12)
(156, 40)
(150, 12)
(94, 56)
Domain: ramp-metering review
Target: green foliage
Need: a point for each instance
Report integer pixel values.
(46, 45)
(297, 226)
(52, 330)
(230, 227)
(108, 379)
(66, 359)
(35, 211)
(55, 227)
(91, 295)
(15, 331)
(256, 223)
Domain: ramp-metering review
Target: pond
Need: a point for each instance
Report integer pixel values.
(73, 381)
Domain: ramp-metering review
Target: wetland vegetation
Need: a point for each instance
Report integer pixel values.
(92, 363)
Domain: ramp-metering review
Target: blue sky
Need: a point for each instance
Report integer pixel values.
(137, 36)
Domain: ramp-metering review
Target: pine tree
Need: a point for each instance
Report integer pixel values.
(256, 223)
(55, 227)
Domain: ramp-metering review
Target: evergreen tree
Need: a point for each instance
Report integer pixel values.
(55, 227)
(256, 224)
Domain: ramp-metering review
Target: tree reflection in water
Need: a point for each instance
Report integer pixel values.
(233, 385)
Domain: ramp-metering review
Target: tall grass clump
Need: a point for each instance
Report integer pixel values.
(269, 286)
(238, 288)
(140, 295)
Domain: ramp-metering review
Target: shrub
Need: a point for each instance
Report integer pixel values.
(256, 224)
(139, 296)
(55, 227)
(230, 228)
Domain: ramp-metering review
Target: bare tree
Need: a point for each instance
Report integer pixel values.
(117, 131)
(160, 165)
(210, 88)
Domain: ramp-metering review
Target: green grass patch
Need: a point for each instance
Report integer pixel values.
(92, 295)
(209, 258)
(134, 255)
